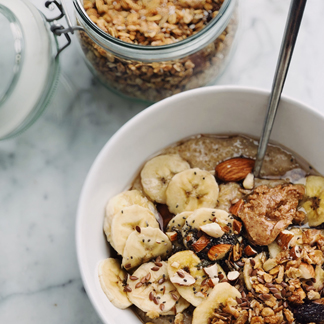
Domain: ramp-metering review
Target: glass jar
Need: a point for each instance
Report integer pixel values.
(29, 65)
(152, 73)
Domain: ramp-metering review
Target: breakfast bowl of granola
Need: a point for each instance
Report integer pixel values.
(173, 227)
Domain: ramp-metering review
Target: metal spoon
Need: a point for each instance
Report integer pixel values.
(295, 15)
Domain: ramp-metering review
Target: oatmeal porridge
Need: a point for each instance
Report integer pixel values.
(199, 240)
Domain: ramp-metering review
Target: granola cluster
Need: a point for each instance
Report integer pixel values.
(154, 23)
(273, 289)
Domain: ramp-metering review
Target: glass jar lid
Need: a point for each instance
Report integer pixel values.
(27, 64)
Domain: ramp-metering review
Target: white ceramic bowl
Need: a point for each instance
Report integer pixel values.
(222, 110)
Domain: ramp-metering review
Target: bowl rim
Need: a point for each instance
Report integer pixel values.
(119, 133)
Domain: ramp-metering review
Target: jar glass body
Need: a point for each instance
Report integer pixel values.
(34, 56)
(152, 73)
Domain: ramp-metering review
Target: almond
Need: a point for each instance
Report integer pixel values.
(212, 271)
(201, 243)
(235, 209)
(237, 227)
(284, 238)
(234, 170)
(212, 229)
(295, 252)
(249, 251)
(182, 278)
(233, 275)
(172, 236)
(237, 252)
(219, 251)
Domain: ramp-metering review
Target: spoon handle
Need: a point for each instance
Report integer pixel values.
(287, 47)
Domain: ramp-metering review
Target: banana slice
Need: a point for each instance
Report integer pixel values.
(126, 221)
(144, 244)
(204, 313)
(177, 222)
(314, 207)
(191, 189)
(122, 200)
(185, 265)
(112, 280)
(202, 217)
(151, 289)
(179, 307)
(157, 173)
(175, 225)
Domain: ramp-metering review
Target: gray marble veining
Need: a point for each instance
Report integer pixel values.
(42, 170)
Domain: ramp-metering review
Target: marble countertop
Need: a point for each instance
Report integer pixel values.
(42, 170)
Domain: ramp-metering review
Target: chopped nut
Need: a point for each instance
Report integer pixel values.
(233, 275)
(248, 182)
(307, 271)
(295, 252)
(284, 238)
(182, 278)
(201, 243)
(172, 236)
(213, 230)
(313, 295)
(237, 227)
(212, 271)
(249, 251)
(234, 209)
(237, 252)
(219, 251)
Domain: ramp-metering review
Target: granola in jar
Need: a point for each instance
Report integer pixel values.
(153, 49)
(200, 240)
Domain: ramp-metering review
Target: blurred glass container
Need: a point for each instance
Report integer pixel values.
(152, 73)
(29, 65)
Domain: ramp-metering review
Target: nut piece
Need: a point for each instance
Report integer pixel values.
(201, 243)
(249, 251)
(212, 271)
(284, 238)
(248, 182)
(213, 230)
(295, 252)
(172, 236)
(237, 227)
(307, 271)
(233, 275)
(234, 170)
(234, 209)
(182, 278)
(175, 264)
(219, 251)
(270, 264)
